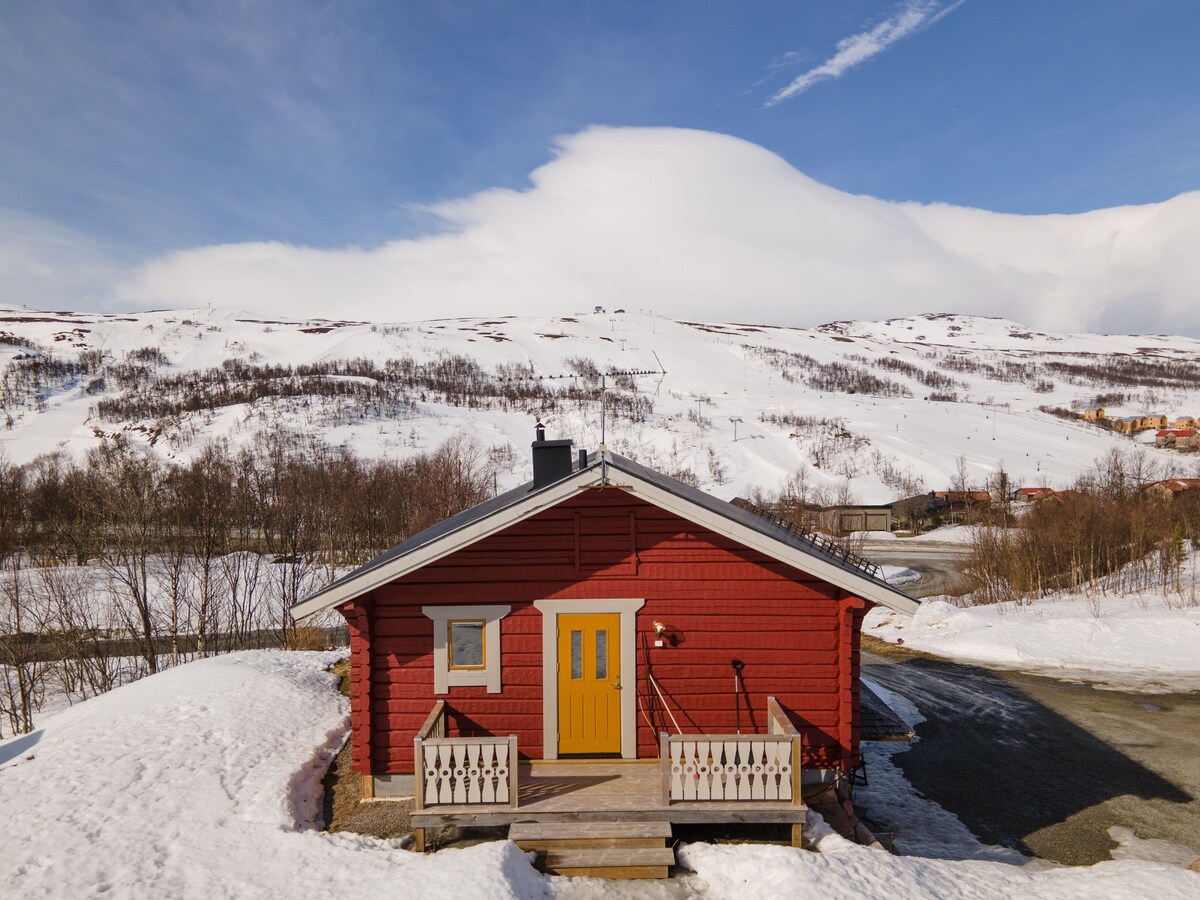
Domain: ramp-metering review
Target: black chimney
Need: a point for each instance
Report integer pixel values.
(551, 459)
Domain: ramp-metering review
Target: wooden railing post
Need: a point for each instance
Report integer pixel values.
(781, 723)
(513, 780)
(774, 726)
(418, 774)
(665, 759)
(797, 800)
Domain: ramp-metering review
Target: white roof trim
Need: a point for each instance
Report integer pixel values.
(444, 546)
(860, 585)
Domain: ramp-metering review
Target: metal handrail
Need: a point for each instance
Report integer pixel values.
(823, 542)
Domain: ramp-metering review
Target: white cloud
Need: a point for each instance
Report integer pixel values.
(687, 223)
(913, 16)
(703, 226)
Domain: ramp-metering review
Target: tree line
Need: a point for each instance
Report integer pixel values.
(1106, 534)
(116, 564)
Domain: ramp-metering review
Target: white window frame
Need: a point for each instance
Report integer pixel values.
(444, 677)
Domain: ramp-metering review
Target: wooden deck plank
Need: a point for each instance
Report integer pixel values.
(603, 791)
(595, 857)
(640, 873)
(546, 844)
(534, 831)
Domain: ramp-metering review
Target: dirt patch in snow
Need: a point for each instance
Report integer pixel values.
(345, 809)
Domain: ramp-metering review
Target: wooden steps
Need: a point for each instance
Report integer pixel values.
(598, 849)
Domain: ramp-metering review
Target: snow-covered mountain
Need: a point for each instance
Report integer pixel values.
(873, 409)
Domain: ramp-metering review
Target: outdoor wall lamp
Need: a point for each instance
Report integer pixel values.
(666, 634)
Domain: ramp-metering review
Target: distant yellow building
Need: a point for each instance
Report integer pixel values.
(1184, 422)
(1092, 414)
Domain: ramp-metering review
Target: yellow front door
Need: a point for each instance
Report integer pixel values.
(589, 683)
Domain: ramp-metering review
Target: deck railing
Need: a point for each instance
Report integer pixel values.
(463, 770)
(734, 767)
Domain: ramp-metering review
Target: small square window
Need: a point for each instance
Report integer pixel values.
(466, 644)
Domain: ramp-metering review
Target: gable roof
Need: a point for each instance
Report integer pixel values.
(808, 552)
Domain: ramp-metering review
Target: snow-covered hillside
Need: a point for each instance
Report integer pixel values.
(868, 411)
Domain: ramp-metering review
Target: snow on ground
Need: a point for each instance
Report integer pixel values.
(844, 870)
(1145, 642)
(947, 534)
(899, 575)
(205, 781)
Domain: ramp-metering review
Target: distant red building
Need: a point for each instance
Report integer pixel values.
(1179, 438)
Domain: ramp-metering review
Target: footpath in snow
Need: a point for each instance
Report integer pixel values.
(204, 781)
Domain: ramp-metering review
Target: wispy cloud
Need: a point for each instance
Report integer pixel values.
(912, 17)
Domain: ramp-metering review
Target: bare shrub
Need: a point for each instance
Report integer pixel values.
(1107, 535)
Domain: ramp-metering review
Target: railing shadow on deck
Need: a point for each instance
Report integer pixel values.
(535, 788)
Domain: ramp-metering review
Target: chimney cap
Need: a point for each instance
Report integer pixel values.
(551, 459)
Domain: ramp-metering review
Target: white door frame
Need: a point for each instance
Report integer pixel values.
(550, 610)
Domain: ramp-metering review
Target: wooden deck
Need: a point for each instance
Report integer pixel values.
(602, 791)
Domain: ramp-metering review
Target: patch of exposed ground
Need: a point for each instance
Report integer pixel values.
(345, 809)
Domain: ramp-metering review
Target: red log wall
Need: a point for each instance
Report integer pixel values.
(797, 634)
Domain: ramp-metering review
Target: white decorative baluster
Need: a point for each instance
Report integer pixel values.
(459, 771)
(432, 774)
(446, 770)
(757, 772)
(729, 777)
(703, 770)
(783, 756)
(676, 769)
(771, 770)
(689, 770)
(488, 773)
(716, 781)
(472, 768)
(502, 764)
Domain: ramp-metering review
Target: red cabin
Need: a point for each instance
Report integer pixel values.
(605, 611)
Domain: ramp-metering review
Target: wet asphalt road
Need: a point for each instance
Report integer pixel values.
(940, 566)
(1046, 766)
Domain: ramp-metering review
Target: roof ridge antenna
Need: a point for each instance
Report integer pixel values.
(630, 373)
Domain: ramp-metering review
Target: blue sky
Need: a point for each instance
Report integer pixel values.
(134, 128)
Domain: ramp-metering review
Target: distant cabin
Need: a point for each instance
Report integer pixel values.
(1178, 439)
(1134, 424)
(848, 519)
(1170, 488)
(1033, 494)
